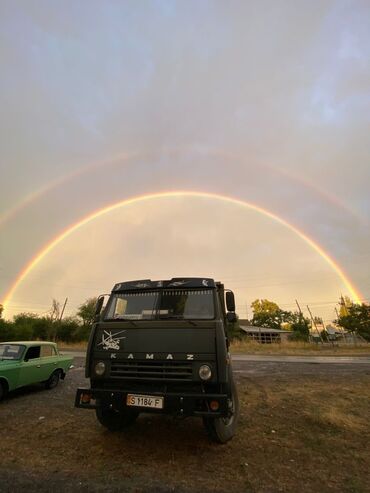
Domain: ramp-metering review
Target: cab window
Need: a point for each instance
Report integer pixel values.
(32, 353)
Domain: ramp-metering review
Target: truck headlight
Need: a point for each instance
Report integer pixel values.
(100, 368)
(205, 372)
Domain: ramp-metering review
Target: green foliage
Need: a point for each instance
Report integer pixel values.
(86, 312)
(268, 314)
(356, 320)
(1, 310)
(29, 326)
(234, 331)
(5, 330)
(300, 326)
(344, 304)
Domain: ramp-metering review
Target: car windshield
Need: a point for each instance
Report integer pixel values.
(150, 305)
(11, 351)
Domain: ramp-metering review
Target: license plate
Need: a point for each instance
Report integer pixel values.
(150, 401)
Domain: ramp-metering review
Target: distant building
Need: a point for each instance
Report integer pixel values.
(265, 335)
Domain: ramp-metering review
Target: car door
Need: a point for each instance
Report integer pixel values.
(30, 371)
(48, 359)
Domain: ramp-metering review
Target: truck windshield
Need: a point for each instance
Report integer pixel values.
(195, 304)
(11, 351)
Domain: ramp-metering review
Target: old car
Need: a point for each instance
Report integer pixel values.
(29, 362)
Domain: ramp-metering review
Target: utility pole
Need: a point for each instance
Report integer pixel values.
(62, 312)
(299, 308)
(301, 318)
(313, 321)
(343, 333)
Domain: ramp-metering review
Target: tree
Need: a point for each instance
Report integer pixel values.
(1, 310)
(344, 304)
(68, 330)
(300, 326)
(6, 331)
(86, 312)
(268, 314)
(357, 320)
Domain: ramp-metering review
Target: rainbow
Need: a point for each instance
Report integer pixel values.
(145, 198)
(128, 156)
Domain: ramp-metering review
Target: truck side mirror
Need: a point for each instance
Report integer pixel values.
(230, 301)
(98, 307)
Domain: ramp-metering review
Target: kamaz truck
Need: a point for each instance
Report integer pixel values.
(162, 347)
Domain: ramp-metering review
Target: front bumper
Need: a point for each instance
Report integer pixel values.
(176, 403)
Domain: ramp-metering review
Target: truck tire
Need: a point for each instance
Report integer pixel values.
(115, 420)
(221, 430)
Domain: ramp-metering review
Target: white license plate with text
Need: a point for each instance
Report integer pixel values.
(151, 401)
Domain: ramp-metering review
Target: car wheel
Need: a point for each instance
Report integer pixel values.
(221, 430)
(53, 380)
(116, 420)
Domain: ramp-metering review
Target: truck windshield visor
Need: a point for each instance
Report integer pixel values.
(197, 304)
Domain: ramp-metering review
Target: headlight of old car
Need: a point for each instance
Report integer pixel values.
(205, 372)
(100, 368)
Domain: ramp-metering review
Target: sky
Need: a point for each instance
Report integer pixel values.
(266, 103)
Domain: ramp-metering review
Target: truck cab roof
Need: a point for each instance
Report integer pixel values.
(175, 282)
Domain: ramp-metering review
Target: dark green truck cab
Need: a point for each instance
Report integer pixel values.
(28, 362)
(162, 347)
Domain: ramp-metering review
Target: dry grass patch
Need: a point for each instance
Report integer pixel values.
(300, 348)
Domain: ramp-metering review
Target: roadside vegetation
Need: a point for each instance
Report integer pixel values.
(50, 327)
(353, 319)
(299, 348)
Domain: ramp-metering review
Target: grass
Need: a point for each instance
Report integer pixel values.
(78, 346)
(284, 349)
(300, 348)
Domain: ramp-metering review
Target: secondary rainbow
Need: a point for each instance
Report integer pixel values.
(354, 293)
(127, 157)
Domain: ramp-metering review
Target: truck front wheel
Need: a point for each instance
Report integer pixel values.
(221, 430)
(116, 420)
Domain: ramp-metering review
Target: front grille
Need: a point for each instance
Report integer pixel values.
(152, 370)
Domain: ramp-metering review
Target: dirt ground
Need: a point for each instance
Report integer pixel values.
(303, 428)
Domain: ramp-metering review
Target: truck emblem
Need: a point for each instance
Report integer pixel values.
(205, 282)
(190, 356)
(149, 356)
(169, 356)
(111, 341)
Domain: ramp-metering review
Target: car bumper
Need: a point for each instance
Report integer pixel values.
(181, 404)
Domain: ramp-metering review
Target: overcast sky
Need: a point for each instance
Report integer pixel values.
(267, 102)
